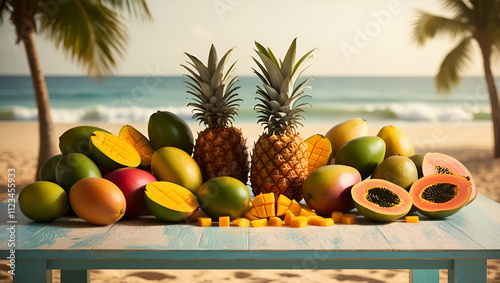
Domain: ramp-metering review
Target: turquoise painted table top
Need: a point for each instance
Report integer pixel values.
(460, 243)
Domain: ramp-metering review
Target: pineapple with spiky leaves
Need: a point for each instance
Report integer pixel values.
(220, 149)
(279, 160)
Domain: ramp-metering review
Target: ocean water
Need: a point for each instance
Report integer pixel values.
(134, 99)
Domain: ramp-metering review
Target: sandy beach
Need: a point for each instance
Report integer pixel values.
(471, 143)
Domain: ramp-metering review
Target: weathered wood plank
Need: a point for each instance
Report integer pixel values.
(427, 234)
(477, 227)
(149, 233)
(486, 207)
(224, 238)
(65, 233)
(361, 236)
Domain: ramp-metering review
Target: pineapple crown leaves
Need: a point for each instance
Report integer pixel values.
(278, 105)
(213, 91)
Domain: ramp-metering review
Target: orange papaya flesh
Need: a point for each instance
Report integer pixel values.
(439, 163)
(440, 195)
(381, 200)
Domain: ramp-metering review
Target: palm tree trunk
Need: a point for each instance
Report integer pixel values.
(493, 93)
(48, 142)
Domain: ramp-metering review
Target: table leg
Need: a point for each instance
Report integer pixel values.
(75, 276)
(468, 270)
(424, 275)
(32, 271)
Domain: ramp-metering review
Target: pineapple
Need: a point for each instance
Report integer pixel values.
(220, 149)
(279, 161)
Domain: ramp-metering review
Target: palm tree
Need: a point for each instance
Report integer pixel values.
(474, 20)
(91, 32)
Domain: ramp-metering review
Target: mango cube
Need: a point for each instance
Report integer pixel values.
(259, 223)
(337, 216)
(329, 222)
(288, 217)
(299, 222)
(316, 220)
(275, 221)
(241, 222)
(282, 206)
(411, 219)
(224, 221)
(348, 219)
(204, 221)
(295, 207)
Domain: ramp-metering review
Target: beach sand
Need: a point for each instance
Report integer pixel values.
(472, 144)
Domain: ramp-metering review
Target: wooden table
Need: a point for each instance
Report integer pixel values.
(461, 244)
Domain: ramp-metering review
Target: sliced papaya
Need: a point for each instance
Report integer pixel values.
(169, 201)
(440, 195)
(139, 142)
(113, 152)
(319, 151)
(380, 200)
(439, 163)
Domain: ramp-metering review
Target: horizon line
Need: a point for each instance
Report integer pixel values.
(245, 76)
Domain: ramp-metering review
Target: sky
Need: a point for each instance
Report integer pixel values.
(354, 38)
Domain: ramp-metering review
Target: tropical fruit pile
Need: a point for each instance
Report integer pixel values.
(102, 177)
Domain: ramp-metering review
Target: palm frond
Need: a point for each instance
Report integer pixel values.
(135, 8)
(460, 8)
(427, 26)
(5, 8)
(88, 32)
(453, 64)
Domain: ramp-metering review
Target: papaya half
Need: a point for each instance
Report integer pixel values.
(381, 200)
(439, 163)
(440, 195)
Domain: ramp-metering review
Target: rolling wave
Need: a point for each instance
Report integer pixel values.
(394, 111)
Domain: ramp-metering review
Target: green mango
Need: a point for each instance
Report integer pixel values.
(363, 153)
(74, 167)
(77, 140)
(48, 170)
(168, 129)
(418, 159)
(397, 169)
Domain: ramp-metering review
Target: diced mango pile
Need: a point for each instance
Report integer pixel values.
(265, 210)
